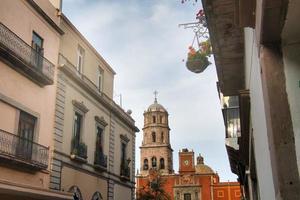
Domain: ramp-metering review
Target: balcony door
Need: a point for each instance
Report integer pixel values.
(26, 133)
(38, 51)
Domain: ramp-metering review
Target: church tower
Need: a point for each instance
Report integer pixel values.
(156, 151)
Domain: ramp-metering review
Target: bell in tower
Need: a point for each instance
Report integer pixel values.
(156, 151)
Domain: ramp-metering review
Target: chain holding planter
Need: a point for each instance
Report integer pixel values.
(197, 60)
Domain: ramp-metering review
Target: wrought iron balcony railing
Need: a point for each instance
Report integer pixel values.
(23, 151)
(78, 150)
(100, 160)
(125, 170)
(23, 58)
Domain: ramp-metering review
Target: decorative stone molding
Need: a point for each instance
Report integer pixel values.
(101, 120)
(80, 106)
(124, 138)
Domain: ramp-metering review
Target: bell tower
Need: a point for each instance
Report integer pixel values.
(156, 151)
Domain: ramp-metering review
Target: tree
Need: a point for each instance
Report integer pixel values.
(154, 189)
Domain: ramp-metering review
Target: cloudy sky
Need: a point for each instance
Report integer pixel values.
(141, 40)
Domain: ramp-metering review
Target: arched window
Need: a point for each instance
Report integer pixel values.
(162, 137)
(97, 196)
(162, 163)
(153, 137)
(146, 167)
(154, 119)
(76, 193)
(153, 160)
(161, 119)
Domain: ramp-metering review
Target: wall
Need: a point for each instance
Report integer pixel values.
(291, 61)
(258, 120)
(24, 94)
(68, 48)
(87, 184)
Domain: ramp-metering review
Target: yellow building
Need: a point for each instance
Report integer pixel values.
(29, 44)
(94, 138)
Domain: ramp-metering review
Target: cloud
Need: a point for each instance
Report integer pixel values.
(143, 43)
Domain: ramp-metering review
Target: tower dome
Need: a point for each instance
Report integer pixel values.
(201, 168)
(156, 107)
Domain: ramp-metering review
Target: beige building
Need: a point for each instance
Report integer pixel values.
(94, 138)
(256, 49)
(29, 44)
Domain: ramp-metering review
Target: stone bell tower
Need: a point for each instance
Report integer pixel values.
(156, 151)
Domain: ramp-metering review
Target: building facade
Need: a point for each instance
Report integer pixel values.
(94, 138)
(193, 181)
(256, 49)
(29, 45)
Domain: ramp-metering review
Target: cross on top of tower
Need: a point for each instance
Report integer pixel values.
(155, 96)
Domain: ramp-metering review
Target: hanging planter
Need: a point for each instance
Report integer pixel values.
(197, 61)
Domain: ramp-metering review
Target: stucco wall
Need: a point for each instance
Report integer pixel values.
(69, 46)
(87, 184)
(291, 60)
(74, 92)
(22, 93)
(121, 192)
(258, 120)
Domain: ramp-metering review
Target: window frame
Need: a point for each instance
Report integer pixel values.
(80, 59)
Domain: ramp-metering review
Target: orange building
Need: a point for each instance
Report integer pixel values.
(193, 181)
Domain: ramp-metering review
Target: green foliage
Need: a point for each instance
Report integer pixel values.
(154, 190)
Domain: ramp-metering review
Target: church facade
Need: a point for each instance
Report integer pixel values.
(194, 181)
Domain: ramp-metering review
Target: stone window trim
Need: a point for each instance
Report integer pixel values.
(124, 138)
(80, 106)
(101, 121)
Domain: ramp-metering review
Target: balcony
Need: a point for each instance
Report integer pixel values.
(100, 162)
(78, 151)
(23, 58)
(22, 152)
(125, 170)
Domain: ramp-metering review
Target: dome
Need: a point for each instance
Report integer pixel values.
(156, 107)
(201, 168)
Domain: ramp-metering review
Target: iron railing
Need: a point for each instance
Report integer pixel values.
(33, 60)
(100, 159)
(79, 149)
(125, 170)
(22, 150)
(64, 61)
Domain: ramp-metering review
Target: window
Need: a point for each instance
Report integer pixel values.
(80, 59)
(37, 45)
(162, 163)
(160, 118)
(146, 167)
(162, 137)
(99, 139)
(77, 129)
(26, 133)
(153, 137)
(187, 196)
(220, 194)
(154, 119)
(100, 79)
(153, 160)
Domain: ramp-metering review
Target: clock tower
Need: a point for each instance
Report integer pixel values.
(156, 151)
(186, 162)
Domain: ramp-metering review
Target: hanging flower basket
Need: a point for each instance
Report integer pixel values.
(197, 61)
